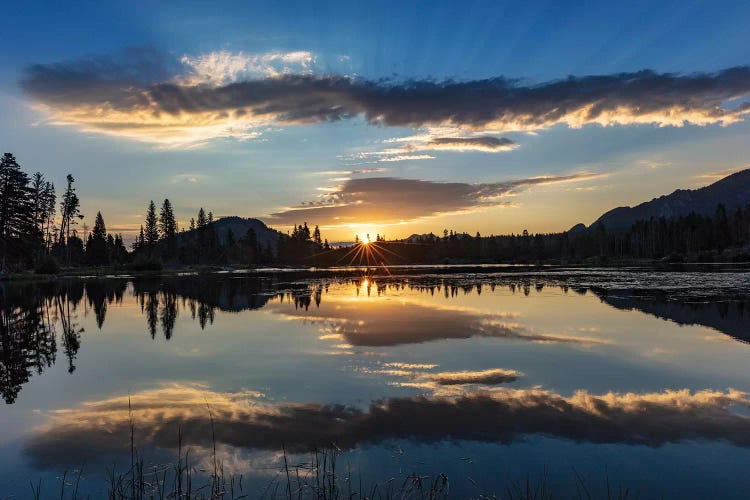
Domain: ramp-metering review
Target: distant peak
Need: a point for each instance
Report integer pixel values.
(732, 191)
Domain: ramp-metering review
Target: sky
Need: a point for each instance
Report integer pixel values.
(376, 117)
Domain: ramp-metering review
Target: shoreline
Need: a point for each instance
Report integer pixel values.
(125, 272)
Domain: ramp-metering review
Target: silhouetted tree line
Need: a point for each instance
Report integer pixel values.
(160, 241)
(32, 234)
(302, 247)
(720, 237)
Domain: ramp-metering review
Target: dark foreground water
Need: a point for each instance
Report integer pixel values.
(563, 377)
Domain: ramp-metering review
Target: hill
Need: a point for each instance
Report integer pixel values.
(733, 191)
(239, 227)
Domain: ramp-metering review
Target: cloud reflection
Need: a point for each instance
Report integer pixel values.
(101, 428)
(378, 323)
(443, 383)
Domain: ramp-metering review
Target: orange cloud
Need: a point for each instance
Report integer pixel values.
(391, 200)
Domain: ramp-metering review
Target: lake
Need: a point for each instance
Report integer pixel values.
(467, 380)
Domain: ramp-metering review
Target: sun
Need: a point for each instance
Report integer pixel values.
(364, 238)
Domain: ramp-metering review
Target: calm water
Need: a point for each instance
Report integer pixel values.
(489, 377)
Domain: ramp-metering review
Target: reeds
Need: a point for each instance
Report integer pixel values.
(320, 478)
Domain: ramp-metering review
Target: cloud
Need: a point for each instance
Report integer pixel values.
(100, 429)
(223, 67)
(405, 157)
(413, 147)
(390, 200)
(358, 171)
(486, 143)
(221, 94)
(190, 178)
(654, 164)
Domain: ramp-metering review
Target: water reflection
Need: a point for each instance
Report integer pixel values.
(409, 322)
(35, 317)
(29, 316)
(100, 429)
(549, 366)
(726, 316)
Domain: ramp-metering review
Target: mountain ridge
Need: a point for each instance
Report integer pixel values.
(732, 191)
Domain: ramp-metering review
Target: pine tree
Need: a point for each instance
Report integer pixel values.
(151, 232)
(39, 188)
(49, 210)
(100, 230)
(96, 246)
(316, 236)
(69, 210)
(168, 227)
(139, 240)
(201, 218)
(167, 222)
(16, 210)
(119, 252)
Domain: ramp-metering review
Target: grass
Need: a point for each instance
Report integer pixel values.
(321, 478)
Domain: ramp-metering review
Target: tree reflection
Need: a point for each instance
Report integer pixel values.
(28, 338)
(168, 313)
(27, 343)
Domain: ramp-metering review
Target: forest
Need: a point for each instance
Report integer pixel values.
(40, 232)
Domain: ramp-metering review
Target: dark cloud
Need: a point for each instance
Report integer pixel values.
(409, 148)
(120, 81)
(79, 92)
(484, 143)
(391, 199)
(100, 429)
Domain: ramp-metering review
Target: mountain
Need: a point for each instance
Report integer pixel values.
(239, 227)
(733, 191)
(577, 228)
(418, 238)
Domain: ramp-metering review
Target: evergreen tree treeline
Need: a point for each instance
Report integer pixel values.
(693, 237)
(31, 236)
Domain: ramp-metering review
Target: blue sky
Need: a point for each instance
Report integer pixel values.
(389, 115)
